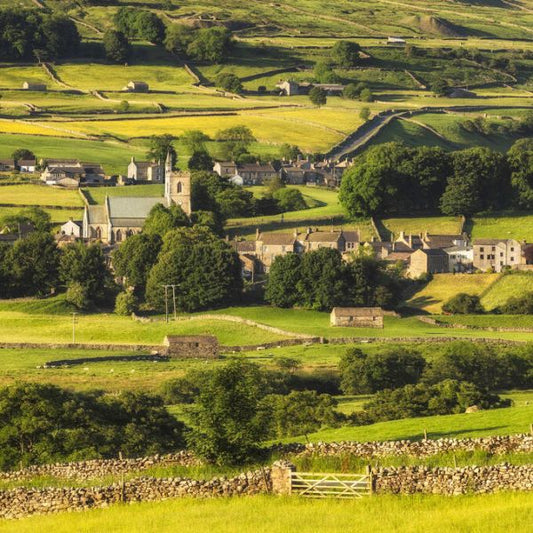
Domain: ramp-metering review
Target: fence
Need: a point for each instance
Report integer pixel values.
(318, 485)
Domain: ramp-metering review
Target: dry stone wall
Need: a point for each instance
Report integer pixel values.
(20, 502)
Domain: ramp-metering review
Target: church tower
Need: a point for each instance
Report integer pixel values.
(177, 187)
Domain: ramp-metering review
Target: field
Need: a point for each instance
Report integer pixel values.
(506, 287)
(420, 225)
(24, 195)
(517, 226)
(487, 513)
(444, 286)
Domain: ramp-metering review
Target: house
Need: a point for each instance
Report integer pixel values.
(406, 242)
(7, 165)
(288, 87)
(460, 258)
(357, 317)
(70, 173)
(352, 239)
(120, 217)
(72, 228)
(137, 87)
(496, 254)
(191, 347)
(324, 239)
(256, 174)
(294, 88)
(27, 165)
(225, 169)
(268, 246)
(433, 261)
(12, 233)
(33, 86)
(145, 171)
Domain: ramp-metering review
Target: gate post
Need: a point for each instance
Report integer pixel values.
(371, 479)
(281, 477)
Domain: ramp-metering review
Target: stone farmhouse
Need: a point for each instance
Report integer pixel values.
(145, 171)
(497, 254)
(428, 261)
(294, 88)
(357, 317)
(191, 347)
(33, 86)
(137, 87)
(120, 217)
(7, 165)
(27, 165)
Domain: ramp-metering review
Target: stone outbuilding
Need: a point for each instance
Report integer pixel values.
(357, 317)
(191, 347)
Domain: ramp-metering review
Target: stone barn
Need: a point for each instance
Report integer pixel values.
(191, 347)
(357, 317)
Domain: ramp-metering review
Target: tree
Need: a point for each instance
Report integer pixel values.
(318, 96)
(440, 87)
(23, 154)
(518, 305)
(290, 199)
(227, 426)
(229, 82)
(366, 95)
(210, 45)
(32, 265)
(134, 258)
(300, 412)
(235, 141)
(235, 202)
(162, 219)
(461, 197)
(150, 27)
(124, 106)
(364, 113)
(194, 140)
(201, 160)
(324, 73)
(520, 158)
(178, 39)
(85, 266)
(77, 295)
(33, 215)
(345, 53)
(463, 304)
(204, 188)
(283, 277)
(389, 369)
(204, 266)
(60, 36)
(352, 91)
(117, 47)
(159, 148)
(289, 152)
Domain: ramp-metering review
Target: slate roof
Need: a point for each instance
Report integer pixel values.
(351, 236)
(357, 311)
(323, 236)
(277, 238)
(96, 214)
(121, 207)
(243, 246)
(442, 241)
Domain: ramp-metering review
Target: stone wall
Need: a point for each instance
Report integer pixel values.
(20, 502)
(496, 445)
(451, 481)
(84, 470)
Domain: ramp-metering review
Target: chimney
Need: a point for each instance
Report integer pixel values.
(402, 234)
(410, 240)
(257, 233)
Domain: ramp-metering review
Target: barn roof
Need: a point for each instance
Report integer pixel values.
(357, 311)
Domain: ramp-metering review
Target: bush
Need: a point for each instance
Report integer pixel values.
(318, 96)
(78, 296)
(126, 303)
(463, 304)
(518, 305)
(229, 82)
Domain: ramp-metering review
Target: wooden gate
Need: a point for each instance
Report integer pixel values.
(318, 485)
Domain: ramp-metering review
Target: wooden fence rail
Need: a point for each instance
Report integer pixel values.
(318, 485)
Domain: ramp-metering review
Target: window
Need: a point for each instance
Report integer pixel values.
(501, 254)
(482, 257)
(493, 248)
(512, 248)
(180, 188)
(482, 249)
(512, 259)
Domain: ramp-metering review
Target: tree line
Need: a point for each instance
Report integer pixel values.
(392, 178)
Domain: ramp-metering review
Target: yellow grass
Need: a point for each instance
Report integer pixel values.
(27, 128)
(39, 195)
(444, 286)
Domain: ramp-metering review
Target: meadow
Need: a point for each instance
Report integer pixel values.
(262, 514)
(517, 226)
(39, 195)
(512, 285)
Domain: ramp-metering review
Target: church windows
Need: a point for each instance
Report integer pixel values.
(180, 188)
(118, 237)
(98, 233)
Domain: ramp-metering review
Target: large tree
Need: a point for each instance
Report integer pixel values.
(205, 268)
(159, 148)
(345, 53)
(117, 47)
(520, 158)
(283, 278)
(162, 219)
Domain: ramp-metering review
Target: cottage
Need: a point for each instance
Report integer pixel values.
(33, 86)
(191, 347)
(137, 87)
(443, 241)
(7, 165)
(288, 87)
(357, 317)
(27, 165)
(325, 239)
(427, 262)
(145, 171)
(271, 245)
(225, 169)
(460, 258)
(256, 174)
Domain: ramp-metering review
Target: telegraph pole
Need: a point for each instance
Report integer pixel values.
(173, 286)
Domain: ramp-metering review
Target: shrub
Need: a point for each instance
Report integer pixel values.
(229, 82)
(318, 96)
(78, 296)
(463, 304)
(518, 305)
(126, 303)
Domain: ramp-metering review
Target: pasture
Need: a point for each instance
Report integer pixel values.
(444, 286)
(30, 194)
(271, 514)
(517, 226)
(512, 285)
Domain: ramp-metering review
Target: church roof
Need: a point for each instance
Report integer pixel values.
(96, 214)
(122, 207)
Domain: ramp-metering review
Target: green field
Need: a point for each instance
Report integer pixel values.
(444, 286)
(270, 514)
(416, 226)
(517, 226)
(491, 321)
(39, 195)
(513, 285)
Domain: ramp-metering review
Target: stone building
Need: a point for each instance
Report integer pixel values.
(145, 171)
(496, 254)
(357, 317)
(460, 258)
(191, 347)
(137, 87)
(120, 216)
(434, 261)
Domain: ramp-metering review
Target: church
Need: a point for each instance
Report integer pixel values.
(122, 216)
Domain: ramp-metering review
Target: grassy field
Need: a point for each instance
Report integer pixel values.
(270, 514)
(504, 225)
(444, 286)
(506, 287)
(416, 226)
(491, 321)
(39, 195)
